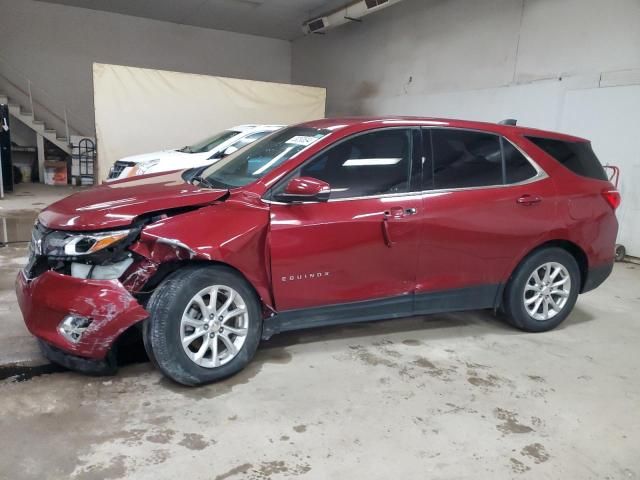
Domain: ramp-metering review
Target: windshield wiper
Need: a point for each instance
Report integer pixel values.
(202, 181)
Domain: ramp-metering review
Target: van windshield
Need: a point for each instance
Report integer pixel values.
(255, 161)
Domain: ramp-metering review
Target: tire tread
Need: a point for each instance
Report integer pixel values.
(177, 366)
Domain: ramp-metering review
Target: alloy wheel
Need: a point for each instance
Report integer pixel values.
(214, 326)
(547, 291)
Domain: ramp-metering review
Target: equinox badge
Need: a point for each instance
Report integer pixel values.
(304, 276)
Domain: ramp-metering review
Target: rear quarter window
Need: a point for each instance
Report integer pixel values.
(517, 167)
(576, 156)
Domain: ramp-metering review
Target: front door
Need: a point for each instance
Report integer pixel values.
(362, 243)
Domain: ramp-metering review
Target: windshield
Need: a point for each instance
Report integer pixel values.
(244, 141)
(209, 143)
(258, 159)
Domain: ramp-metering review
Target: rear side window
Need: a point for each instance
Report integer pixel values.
(465, 159)
(576, 156)
(517, 167)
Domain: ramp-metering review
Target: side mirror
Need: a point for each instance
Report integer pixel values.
(304, 189)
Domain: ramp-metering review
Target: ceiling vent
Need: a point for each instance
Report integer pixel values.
(351, 13)
(374, 3)
(316, 25)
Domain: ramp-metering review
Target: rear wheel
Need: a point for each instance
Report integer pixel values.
(543, 290)
(204, 325)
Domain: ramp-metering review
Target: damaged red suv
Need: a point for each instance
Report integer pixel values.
(327, 222)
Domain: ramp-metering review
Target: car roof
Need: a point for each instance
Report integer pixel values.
(366, 123)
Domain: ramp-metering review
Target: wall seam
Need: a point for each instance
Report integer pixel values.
(515, 60)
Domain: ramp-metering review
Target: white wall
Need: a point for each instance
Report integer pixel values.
(418, 53)
(608, 116)
(490, 60)
(55, 46)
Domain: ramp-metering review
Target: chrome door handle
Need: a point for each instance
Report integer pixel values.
(410, 211)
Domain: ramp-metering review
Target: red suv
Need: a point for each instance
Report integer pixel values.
(327, 222)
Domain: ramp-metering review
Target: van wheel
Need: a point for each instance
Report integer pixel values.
(204, 325)
(542, 291)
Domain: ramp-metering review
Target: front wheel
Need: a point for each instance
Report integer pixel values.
(204, 324)
(543, 290)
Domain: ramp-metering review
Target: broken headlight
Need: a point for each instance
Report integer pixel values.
(110, 271)
(70, 244)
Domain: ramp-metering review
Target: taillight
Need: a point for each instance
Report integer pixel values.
(612, 197)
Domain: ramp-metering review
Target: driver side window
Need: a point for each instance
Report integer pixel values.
(374, 163)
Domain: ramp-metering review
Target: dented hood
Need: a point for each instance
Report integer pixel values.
(117, 204)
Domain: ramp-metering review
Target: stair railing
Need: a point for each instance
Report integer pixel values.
(65, 113)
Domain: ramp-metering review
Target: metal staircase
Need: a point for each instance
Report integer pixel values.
(28, 118)
(39, 110)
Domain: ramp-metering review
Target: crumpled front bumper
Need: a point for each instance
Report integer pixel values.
(46, 300)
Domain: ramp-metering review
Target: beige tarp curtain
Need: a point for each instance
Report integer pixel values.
(140, 110)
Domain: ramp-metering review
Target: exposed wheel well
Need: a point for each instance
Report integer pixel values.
(573, 249)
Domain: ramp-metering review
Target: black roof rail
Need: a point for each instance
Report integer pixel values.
(509, 121)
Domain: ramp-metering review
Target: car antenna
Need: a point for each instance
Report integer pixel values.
(509, 121)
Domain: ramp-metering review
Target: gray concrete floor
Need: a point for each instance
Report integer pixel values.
(17, 346)
(446, 396)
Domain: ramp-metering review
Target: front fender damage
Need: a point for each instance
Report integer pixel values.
(197, 237)
(154, 251)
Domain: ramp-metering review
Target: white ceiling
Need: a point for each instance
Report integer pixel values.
(268, 18)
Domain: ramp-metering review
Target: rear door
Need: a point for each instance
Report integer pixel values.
(361, 244)
(480, 213)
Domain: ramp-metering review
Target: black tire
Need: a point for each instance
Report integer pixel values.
(514, 302)
(146, 341)
(162, 330)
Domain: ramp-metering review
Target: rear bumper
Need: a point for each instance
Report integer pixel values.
(596, 276)
(46, 300)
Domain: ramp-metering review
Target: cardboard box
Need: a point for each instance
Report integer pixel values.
(55, 173)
